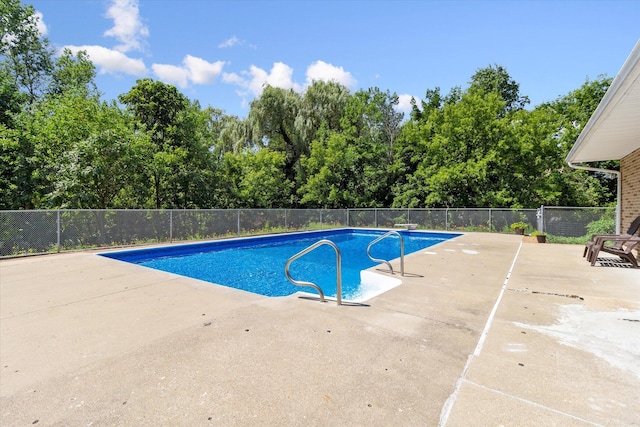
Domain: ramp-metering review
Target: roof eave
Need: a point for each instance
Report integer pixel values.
(626, 77)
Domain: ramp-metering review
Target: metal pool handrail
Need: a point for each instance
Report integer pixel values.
(313, 285)
(390, 233)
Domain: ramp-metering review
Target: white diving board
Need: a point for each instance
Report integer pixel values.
(407, 226)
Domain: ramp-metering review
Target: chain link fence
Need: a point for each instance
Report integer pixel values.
(42, 231)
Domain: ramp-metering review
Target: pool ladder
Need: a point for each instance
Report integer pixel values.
(384, 236)
(339, 263)
(313, 285)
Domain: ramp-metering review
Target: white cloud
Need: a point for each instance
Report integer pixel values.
(109, 61)
(235, 41)
(257, 80)
(404, 102)
(230, 42)
(172, 74)
(233, 78)
(254, 80)
(193, 70)
(40, 25)
(281, 75)
(321, 70)
(127, 25)
(201, 71)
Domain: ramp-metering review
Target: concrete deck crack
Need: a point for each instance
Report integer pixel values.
(553, 294)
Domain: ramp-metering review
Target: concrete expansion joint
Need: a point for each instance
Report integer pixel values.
(448, 405)
(529, 402)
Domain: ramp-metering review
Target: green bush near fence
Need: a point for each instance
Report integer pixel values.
(567, 240)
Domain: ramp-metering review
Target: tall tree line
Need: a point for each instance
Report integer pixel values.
(62, 146)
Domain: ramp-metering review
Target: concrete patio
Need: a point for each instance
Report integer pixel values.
(495, 332)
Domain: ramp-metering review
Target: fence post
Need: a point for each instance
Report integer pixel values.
(446, 219)
(490, 221)
(238, 222)
(58, 230)
(321, 227)
(540, 219)
(170, 225)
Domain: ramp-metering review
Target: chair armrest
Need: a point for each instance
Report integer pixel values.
(612, 238)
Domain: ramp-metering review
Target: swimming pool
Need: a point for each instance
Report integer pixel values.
(256, 264)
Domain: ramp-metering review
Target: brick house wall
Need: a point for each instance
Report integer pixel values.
(630, 203)
(630, 189)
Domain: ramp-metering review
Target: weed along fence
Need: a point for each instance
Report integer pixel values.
(44, 231)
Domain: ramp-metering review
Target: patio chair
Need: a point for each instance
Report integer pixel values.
(633, 229)
(623, 247)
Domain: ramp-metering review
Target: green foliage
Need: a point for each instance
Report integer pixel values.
(329, 167)
(272, 120)
(573, 112)
(480, 148)
(25, 55)
(11, 100)
(73, 74)
(495, 79)
(567, 240)
(602, 226)
(60, 146)
(518, 226)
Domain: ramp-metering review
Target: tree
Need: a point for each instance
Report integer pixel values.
(432, 101)
(52, 127)
(350, 167)
(84, 152)
(322, 102)
(496, 79)
(272, 119)
(15, 170)
(195, 132)
(480, 148)
(263, 183)
(371, 125)
(26, 56)
(11, 100)
(157, 107)
(73, 74)
(330, 169)
(234, 137)
(574, 111)
(458, 150)
(100, 168)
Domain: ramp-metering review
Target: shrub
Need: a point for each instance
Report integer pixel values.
(602, 226)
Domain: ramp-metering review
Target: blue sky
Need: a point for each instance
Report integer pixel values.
(223, 52)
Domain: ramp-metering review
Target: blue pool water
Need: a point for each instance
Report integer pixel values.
(256, 264)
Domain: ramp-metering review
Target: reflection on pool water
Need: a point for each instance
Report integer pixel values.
(256, 264)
